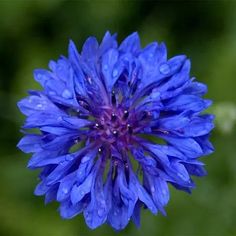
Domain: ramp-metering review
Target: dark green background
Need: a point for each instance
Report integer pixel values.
(33, 32)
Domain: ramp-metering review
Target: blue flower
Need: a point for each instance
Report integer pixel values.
(113, 127)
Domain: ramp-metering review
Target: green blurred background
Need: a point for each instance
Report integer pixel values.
(33, 32)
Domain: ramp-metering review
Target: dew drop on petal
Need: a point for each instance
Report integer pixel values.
(101, 211)
(52, 93)
(105, 67)
(115, 73)
(164, 68)
(59, 118)
(65, 190)
(39, 106)
(66, 94)
(85, 159)
(164, 192)
(69, 157)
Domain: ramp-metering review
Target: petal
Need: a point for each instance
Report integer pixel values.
(150, 58)
(196, 88)
(142, 193)
(35, 104)
(30, 143)
(108, 62)
(65, 186)
(79, 191)
(108, 42)
(187, 102)
(188, 146)
(130, 44)
(95, 213)
(42, 76)
(68, 211)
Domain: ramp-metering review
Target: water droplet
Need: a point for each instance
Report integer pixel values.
(39, 106)
(101, 212)
(152, 189)
(105, 67)
(116, 213)
(150, 55)
(52, 93)
(66, 94)
(59, 118)
(89, 80)
(82, 193)
(103, 202)
(115, 73)
(164, 68)
(85, 159)
(69, 158)
(88, 216)
(65, 190)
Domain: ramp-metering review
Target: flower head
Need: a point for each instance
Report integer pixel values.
(115, 126)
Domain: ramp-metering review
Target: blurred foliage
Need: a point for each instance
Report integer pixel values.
(33, 32)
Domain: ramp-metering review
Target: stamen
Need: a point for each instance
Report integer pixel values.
(113, 98)
(130, 129)
(115, 132)
(113, 117)
(126, 114)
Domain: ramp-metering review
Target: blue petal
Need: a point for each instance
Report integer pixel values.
(78, 73)
(197, 170)
(142, 193)
(65, 186)
(187, 102)
(30, 143)
(196, 88)
(150, 58)
(136, 214)
(95, 213)
(35, 104)
(85, 166)
(188, 146)
(162, 191)
(80, 190)
(198, 127)
(205, 144)
(178, 79)
(89, 52)
(130, 44)
(173, 122)
(51, 195)
(108, 42)
(68, 211)
(110, 73)
(42, 76)
(127, 195)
